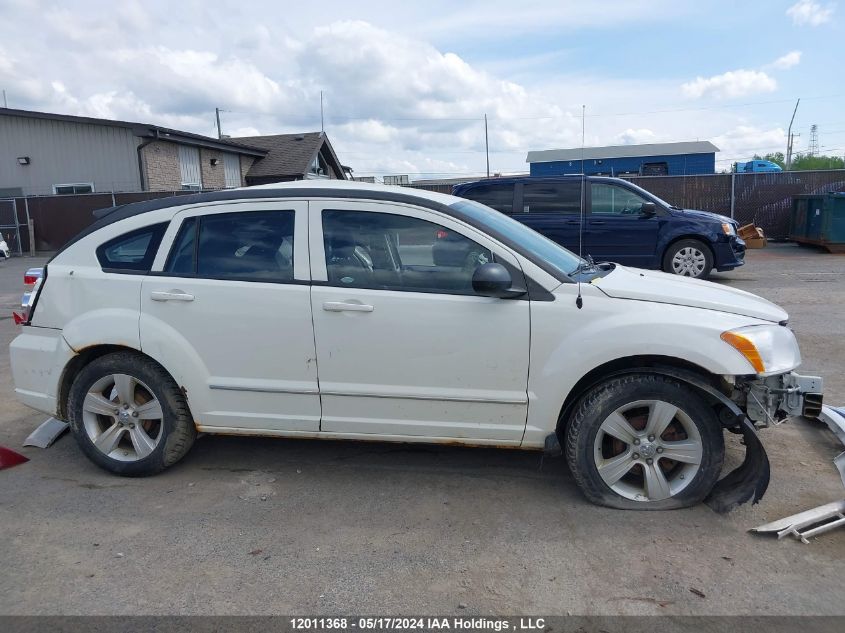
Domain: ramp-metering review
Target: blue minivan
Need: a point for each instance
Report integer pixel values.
(623, 223)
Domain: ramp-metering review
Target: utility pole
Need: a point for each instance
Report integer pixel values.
(486, 145)
(217, 115)
(322, 124)
(789, 138)
(5, 104)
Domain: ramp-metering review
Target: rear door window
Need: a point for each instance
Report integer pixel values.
(247, 246)
(131, 252)
(552, 197)
(495, 196)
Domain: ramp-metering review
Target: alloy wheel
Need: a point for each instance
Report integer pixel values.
(648, 450)
(122, 417)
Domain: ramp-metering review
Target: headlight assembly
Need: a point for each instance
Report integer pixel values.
(770, 349)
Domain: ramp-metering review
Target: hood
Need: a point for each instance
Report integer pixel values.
(650, 285)
(702, 215)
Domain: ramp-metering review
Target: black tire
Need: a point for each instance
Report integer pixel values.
(699, 247)
(177, 425)
(602, 400)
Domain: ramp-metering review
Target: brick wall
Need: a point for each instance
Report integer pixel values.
(161, 166)
(213, 177)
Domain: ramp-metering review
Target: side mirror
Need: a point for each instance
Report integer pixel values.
(648, 209)
(492, 280)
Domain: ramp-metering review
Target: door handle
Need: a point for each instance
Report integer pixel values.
(596, 222)
(342, 306)
(170, 295)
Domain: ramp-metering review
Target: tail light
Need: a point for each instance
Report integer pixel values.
(9, 458)
(33, 281)
(441, 234)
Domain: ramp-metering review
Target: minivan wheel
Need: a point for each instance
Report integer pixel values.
(688, 258)
(129, 416)
(644, 442)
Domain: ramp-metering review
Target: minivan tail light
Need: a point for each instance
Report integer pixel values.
(29, 280)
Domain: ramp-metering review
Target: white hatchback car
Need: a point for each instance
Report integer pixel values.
(351, 311)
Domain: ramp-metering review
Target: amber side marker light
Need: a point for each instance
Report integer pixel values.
(745, 347)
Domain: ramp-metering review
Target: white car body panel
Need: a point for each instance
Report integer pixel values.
(568, 343)
(242, 351)
(419, 364)
(658, 287)
(39, 358)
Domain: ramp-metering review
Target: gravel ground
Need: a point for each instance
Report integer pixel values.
(264, 526)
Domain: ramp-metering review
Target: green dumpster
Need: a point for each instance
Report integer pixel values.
(819, 219)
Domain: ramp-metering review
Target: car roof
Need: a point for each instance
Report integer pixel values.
(512, 180)
(317, 188)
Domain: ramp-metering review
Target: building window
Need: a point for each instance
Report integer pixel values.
(318, 168)
(189, 168)
(232, 170)
(76, 187)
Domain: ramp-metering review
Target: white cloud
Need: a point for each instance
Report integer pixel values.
(742, 142)
(784, 62)
(633, 137)
(729, 85)
(810, 13)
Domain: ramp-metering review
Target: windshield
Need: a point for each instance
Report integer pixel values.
(527, 240)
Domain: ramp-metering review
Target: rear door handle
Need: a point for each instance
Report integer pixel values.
(170, 295)
(342, 306)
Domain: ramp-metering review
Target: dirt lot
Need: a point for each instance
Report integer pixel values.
(260, 526)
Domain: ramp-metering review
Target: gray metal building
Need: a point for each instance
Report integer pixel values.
(43, 154)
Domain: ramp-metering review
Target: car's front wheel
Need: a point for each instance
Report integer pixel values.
(645, 442)
(129, 416)
(688, 258)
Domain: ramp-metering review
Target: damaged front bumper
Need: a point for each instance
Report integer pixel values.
(764, 401)
(770, 400)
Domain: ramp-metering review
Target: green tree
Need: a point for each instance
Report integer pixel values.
(805, 162)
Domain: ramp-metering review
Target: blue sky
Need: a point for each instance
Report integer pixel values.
(406, 84)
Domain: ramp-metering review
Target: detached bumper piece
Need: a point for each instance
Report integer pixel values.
(46, 433)
(805, 525)
(749, 481)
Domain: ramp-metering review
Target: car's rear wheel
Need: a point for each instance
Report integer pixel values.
(129, 416)
(645, 442)
(688, 258)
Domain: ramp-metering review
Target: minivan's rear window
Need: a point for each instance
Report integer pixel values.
(133, 251)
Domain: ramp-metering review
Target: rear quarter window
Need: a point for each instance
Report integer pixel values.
(131, 252)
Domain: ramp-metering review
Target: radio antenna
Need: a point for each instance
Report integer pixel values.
(579, 301)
